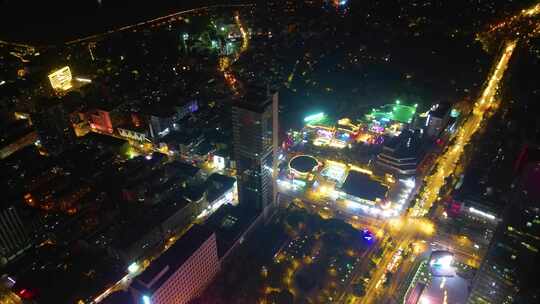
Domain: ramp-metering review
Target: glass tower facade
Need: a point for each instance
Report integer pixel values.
(255, 143)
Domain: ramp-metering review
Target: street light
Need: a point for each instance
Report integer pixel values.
(185, 37)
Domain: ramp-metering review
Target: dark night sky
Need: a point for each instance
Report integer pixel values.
(46, 21)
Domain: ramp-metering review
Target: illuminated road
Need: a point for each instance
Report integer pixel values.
(407, 229)
(404, 232)
(446, 163)
(228, 74)
(398, 279)
(8, 297)
(375, 286)
(526, 13)
(463, 251)
(243, 32)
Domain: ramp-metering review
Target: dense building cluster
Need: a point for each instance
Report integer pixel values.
(279, 151)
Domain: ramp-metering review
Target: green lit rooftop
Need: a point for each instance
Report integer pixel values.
(394, 112)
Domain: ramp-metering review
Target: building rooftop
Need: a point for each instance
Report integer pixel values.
(217, 185)
(255, 100)
(163, 110)
(130, 127)
(303, 163)
(407, 145)
(104, 141)
(440, 111)
(95, 99)
(194, 193)
(58, 274)
(362, 186)
(13, 131)
(229, 223)
(403, 113)
(185, 168)
(397, 112)
(46, 103)
(141, 220)
(172, 259)
(184, 137)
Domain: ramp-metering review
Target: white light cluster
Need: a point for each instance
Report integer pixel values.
(482, 213)
(133, 267)
(290, 185)
(371, 210)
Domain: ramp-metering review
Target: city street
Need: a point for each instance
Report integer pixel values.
(447, 163)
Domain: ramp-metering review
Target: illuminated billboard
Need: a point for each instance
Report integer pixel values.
(219, 162)
(61, 79)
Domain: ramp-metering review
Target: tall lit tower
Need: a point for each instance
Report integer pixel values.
(255, 140)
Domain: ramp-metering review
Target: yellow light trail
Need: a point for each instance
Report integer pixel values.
(243, 32)
(533, 11)
(225, 64)
(447, 162)
(525, 13)
(445, 297)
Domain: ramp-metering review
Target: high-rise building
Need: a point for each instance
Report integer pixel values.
(437, 119)
(14, 238)
(52, 123)
(255, 132)
(509, 269)
(401, 156)
(182, 272)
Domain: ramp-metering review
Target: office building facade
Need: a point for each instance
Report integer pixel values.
(255, 131)
(437, 119)
(14, 238)
(181, 273)
(509, 270)
(401, 156)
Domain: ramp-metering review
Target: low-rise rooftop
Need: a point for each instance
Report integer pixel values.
(362, 186)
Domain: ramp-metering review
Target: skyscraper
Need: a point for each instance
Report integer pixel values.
(255, 133)
(14, 238)
(510, 267)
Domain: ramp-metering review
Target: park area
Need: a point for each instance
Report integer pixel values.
(297, 258)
